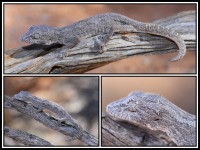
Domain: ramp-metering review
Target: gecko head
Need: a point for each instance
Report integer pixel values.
(40, 35)
(142, 109)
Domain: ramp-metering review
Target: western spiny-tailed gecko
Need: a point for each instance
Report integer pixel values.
(41, 104)
(103, 26)
(155, 112)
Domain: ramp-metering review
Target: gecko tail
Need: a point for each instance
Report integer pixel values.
(168, 33)
(182, 51)
(178, 57)
(176, 38)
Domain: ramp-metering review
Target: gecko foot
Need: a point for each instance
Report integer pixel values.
(99, 45)
(101, 40)
(62, 54)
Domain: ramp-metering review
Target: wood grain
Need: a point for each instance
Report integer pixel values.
(83, 58)
(153, 113)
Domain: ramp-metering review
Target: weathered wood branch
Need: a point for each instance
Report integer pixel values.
(25, 138)
(147, 119)
(83, 58)
(46, 119)
(118, 133)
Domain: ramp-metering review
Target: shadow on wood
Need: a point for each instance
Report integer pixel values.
(83, 58)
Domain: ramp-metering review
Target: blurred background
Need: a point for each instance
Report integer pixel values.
(179, 90)
(78, 96)
(19, 17)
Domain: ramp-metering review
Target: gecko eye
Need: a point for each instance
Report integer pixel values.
(131, 109)
(156, 118)
(36, 36)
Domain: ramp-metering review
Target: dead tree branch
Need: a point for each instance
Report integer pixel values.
(116, 133)
(81, 58)
(31, 110)
(147, 119)
(25, 138)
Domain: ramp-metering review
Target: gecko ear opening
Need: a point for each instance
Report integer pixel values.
(156, 118)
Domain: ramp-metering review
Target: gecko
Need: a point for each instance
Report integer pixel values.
(41, 104)
(155, 113)
(102, 27)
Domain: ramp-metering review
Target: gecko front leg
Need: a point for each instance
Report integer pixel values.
(68, 42)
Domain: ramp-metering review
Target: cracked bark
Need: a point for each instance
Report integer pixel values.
(33, 59)
(117, 133)
(25, 138)
(46, 119)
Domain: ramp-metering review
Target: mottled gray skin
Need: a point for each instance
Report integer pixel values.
(103, 26)
(155, 112)
(42, 104)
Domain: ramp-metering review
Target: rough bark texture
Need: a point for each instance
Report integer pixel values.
(25, 138)
(150, 120)
(117, 133)
(33, 59)
(33, 111)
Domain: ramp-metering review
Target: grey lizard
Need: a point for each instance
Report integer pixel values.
(42, 104)
(154, 112)
(102, 26)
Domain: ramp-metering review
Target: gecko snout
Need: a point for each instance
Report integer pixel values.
(23, 38)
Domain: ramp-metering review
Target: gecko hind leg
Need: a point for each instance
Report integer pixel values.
(102, 40)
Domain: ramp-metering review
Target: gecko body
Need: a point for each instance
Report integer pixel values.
(155, 112)
(102, 26)
(41, 104)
